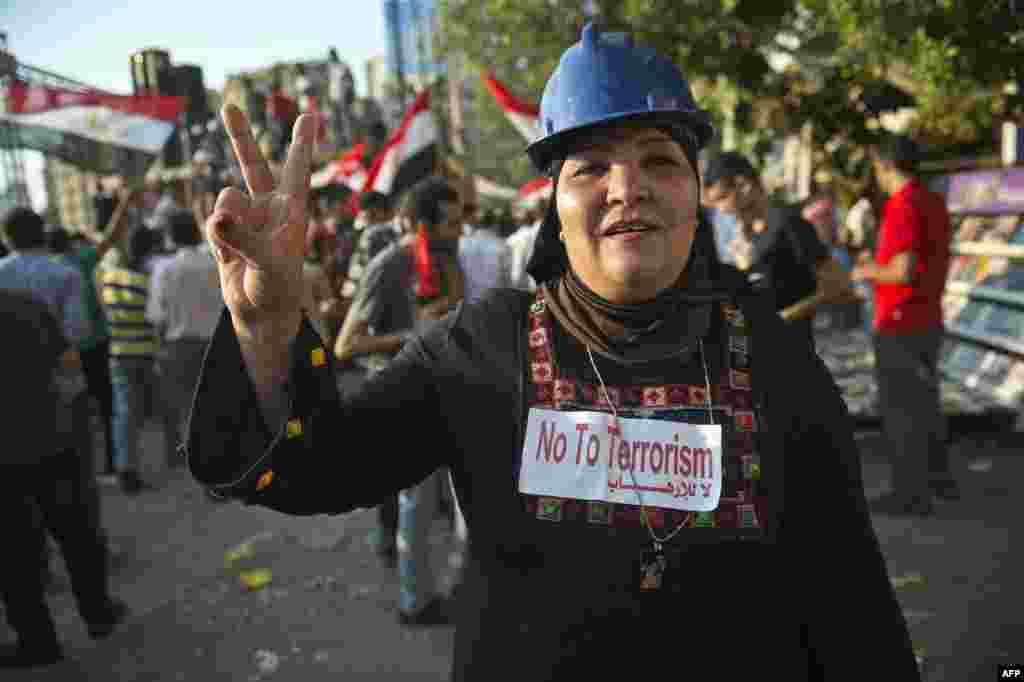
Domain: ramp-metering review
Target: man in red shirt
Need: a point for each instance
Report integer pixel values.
(909, 275)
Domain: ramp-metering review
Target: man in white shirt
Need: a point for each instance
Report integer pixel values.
(521, 246)
(185, 304)
(485, 259)
(726, 230)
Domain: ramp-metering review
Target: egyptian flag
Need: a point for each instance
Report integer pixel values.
(410, 154)
(524, 116)
(535, 191)
(348, 171)
(104, 133)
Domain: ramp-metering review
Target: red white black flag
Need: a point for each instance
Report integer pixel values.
(410, 154)
(101, 132)
(525, 116)
(348, 171)
(535, 191)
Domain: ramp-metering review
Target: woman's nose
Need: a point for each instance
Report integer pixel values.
(627, 184)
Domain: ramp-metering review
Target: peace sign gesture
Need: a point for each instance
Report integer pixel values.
(259, 239)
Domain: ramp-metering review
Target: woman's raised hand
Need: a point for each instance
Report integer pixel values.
(259, 239)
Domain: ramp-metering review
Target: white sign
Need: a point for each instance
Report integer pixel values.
(656, 463)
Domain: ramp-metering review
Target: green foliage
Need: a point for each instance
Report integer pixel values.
(953, 56)
(521, 41)
(498, 152)
(946, 50)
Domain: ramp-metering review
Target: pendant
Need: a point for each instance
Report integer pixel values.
(653, 565)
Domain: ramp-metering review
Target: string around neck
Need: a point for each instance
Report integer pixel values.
(658, 542)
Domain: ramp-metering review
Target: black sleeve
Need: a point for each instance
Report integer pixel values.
(804, 240)
(330, 456)
(851, 607)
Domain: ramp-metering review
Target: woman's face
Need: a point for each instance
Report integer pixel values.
(627, 201)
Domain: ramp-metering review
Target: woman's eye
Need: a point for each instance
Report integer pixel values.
(589, 169)
(663, 161)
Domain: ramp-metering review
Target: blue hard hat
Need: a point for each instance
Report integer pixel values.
(605, 78)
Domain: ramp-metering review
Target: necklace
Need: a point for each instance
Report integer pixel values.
(653, 562)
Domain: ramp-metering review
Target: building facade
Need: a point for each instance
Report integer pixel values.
(411, 29)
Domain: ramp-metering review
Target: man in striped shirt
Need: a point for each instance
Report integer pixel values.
(124, 292)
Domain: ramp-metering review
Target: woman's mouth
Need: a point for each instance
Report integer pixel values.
(631, 235)
(629, 231)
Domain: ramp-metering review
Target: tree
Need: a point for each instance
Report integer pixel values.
(849, 61)
(953, 56)
(522, 40)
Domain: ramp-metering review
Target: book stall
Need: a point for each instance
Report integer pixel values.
(982, 360)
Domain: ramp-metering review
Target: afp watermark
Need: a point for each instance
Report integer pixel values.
(1011, 672)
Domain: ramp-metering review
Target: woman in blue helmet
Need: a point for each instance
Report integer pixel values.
(656, 474)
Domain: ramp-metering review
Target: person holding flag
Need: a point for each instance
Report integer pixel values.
(407, 284)
(657, 474)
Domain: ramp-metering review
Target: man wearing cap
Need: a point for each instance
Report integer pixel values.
(779, 250)
(909, 273)
(658, 475)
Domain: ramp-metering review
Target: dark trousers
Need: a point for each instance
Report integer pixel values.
(49, 495)
(387, 517)
(81, 436)
(180, 364)
(96, 367)
(911, 410)
(349, 381)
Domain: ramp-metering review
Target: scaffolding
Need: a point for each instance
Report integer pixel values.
(13, 180)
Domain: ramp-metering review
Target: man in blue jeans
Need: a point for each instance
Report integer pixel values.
(383, 315)
(124, 291)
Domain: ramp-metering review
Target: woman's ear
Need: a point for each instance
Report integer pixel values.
(743, 187)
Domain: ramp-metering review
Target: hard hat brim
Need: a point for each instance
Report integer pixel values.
(543, 151)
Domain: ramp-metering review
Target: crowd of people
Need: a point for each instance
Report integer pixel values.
(661, 267)
(129, 310)
(131, 303)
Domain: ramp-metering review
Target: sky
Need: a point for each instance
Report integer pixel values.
(92, 41)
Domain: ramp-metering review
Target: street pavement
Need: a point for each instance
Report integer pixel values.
(327, 611)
